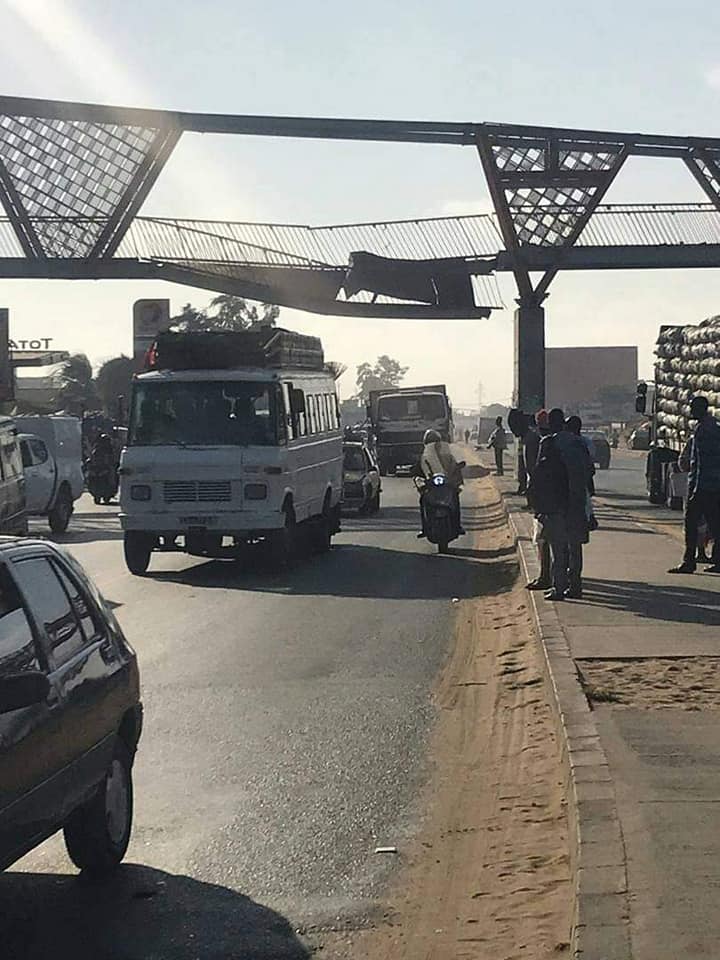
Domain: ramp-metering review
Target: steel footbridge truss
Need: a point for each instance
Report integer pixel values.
(74, 177)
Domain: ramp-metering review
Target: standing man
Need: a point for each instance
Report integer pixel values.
(703, 498)
(498, 441)
(467, 436)
(538, 429)
(559, 490)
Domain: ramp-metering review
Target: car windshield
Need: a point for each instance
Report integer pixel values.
(214, 413)
(430, 406)
(353, 459)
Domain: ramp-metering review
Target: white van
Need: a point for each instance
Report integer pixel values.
(219, 458)
(52, 460)
(13, 519)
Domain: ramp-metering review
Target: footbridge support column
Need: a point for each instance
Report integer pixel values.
(529, 393)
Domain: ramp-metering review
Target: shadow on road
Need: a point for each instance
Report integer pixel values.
(84, 528)
(610, 525)
(399, 519)
(139, 914)
(681, 604)
(616, 495)
(360, 570)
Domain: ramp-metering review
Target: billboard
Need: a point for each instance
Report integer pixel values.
(592, 378)
(149, 318)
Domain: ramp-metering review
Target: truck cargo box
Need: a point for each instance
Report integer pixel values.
(221, 350)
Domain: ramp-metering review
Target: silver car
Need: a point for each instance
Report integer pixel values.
(361, 479)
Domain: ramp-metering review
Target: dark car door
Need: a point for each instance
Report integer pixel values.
(84, 665)
(31, 738)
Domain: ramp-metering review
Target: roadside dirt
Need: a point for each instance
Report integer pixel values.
(690, 683)
(488, 877)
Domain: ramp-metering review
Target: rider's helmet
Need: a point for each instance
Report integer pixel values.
(431, 436)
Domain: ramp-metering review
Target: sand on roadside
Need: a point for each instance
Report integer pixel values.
(488, 875)
(691, 683)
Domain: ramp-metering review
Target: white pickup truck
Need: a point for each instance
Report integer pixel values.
(51, 450)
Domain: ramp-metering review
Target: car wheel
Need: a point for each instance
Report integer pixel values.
(97, 834)
(137, 547)
(322, 535)
(59, 516)
(284, 543)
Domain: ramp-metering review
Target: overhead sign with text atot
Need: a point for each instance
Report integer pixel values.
(149, 318)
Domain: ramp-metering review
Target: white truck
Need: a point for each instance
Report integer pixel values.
(234, 438)
(51, 449)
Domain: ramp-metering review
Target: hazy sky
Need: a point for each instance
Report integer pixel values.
(646, 65)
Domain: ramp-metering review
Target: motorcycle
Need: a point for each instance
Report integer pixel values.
(102, 483)
(438, 499)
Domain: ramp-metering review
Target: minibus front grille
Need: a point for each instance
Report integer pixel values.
(197, 491)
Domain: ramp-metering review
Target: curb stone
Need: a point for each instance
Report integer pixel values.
(600, 929)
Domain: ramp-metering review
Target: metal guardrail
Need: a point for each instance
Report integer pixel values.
(467, 237)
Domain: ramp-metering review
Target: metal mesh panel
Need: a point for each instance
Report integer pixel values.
(550, 214)
(547, 215)
(710, 172)
(519, 158)
(586, 160)
(68, 169)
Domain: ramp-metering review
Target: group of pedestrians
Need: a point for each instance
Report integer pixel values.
(560, 473)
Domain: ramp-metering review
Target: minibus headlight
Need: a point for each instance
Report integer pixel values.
(140, 491)
(255, 491)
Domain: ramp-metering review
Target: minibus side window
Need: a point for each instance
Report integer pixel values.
(322, 413)
(285, 412)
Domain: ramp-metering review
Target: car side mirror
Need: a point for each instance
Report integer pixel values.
(19, 690)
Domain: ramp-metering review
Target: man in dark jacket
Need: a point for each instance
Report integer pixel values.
(703, 497)
(531, 442)
(559, 489)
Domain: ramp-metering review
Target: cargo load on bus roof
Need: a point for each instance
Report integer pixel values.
(222, 350)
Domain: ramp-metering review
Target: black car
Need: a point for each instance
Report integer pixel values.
(70, 711)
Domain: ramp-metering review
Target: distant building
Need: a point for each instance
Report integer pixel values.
(598, 382)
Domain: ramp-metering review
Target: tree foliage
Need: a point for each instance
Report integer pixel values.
(385, 373)
(226, 312)
(113, 380)
(77, 392)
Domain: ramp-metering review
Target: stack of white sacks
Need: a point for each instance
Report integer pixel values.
(688, 363)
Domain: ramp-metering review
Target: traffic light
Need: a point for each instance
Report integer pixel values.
(641, 397)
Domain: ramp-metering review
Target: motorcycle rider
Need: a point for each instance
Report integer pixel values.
(103, 459)
(437, 458)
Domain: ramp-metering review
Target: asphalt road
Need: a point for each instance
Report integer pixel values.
(623, 486)
(626, 476)
(286, 722)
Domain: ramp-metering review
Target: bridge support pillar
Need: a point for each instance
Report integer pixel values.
(529, 394)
